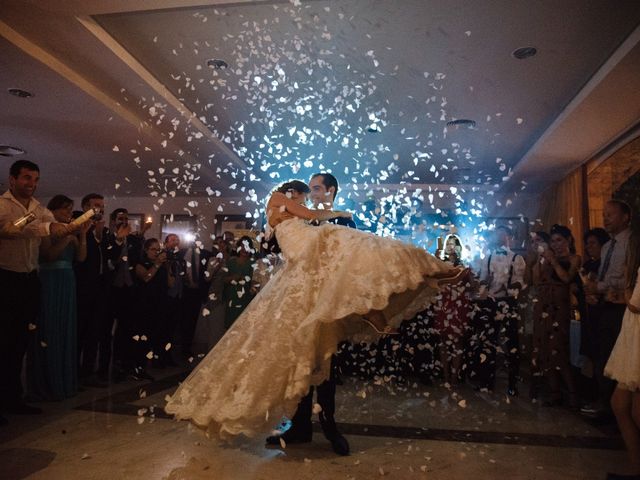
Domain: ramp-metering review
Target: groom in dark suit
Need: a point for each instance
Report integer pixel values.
(324, 188)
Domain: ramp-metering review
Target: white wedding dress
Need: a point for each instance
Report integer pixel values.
(283, 341)
(624, 362)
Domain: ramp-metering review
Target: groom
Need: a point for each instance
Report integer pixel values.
(324, 188)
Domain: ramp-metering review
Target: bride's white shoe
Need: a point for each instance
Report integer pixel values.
(387, 330)
(459, 274)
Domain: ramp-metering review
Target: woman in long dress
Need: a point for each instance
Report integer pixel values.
(624, 364)
(452, 317)
(210, 326)
(52, 370)
(237, 283)
(283, 341)
(553, 275)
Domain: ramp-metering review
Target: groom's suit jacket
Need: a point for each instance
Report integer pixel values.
(345, 222)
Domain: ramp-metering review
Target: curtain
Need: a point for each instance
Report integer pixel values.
(565, 203)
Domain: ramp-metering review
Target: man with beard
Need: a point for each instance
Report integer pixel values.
(23, 223)
(324, 188)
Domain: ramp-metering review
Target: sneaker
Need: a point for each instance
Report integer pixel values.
(290, 437)
(591, 410)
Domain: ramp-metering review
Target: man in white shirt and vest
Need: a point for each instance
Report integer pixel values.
(498, 317)
(19, 284)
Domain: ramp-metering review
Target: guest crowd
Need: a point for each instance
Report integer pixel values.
(96, 302)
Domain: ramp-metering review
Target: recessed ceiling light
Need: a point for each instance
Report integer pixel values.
(217, 63)
(9, 151)
(524, 52)
(18, 92)
(461, 122)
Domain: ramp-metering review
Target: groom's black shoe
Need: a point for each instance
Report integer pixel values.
(330, 429)
(292, 436)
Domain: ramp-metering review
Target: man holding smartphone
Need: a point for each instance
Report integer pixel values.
(124, 249)
(94, 328)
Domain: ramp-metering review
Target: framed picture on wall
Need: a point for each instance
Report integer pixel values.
(184, 226)
(135, 221)
(239, 225)
(518, 225)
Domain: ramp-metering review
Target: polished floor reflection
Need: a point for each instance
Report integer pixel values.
(395, 431)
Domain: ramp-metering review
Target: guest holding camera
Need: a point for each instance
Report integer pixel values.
(92, 283)
(554, 274)
(124, 249)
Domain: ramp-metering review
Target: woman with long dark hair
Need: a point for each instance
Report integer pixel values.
(52, 364)
(553, 275)
(452, 317)
(282, 343)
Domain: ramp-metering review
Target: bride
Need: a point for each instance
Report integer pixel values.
(333, 278)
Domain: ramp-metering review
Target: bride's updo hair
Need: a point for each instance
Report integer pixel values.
(293, 186)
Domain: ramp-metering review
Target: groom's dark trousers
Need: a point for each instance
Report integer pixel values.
(327, 389)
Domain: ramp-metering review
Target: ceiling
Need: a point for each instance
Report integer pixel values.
(124, 102)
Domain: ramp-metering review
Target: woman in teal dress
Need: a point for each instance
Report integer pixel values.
(53, 359)
(238, 291)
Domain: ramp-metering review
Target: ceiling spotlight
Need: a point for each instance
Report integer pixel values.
(461, 122)
(18, 92)
(524, 52)
(217, 63)
(9, 151)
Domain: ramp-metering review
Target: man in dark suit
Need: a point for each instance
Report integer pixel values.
(92, 283)
(194, 292)
(324, 188)
(124, 249)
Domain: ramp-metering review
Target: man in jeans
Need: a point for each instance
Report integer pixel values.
(19, 284)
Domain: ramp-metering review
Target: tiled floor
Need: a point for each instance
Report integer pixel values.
(396, 432)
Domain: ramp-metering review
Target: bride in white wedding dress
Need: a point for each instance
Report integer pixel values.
(333, 276)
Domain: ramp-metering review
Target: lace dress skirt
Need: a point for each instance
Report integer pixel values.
(283, 341)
